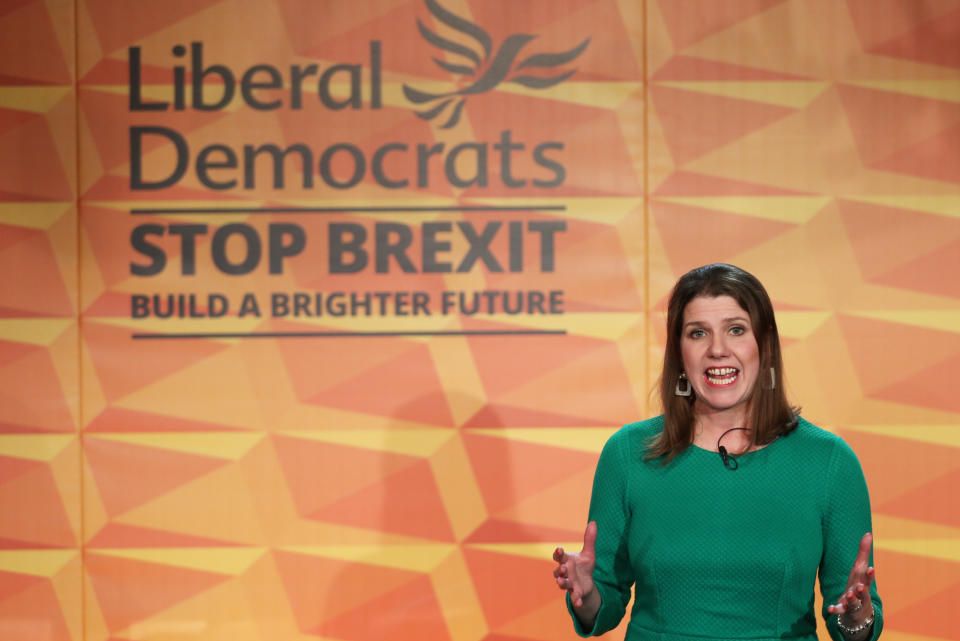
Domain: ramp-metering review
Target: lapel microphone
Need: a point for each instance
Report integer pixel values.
(728, 460)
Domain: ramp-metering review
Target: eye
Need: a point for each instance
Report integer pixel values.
(697, 333)
(738, 330)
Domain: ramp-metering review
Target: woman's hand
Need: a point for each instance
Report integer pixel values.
(855, 606)
(574, 573)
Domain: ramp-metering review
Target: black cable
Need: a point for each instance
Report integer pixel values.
(728, 460)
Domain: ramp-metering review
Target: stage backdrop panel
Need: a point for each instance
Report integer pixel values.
(316, 315)
(811, 143)
(363, 297)
(41, 570)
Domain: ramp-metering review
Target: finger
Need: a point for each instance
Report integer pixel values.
(861, 563)
(559, 554)
(590, 538)
(863, 554)
(851, 602)
(863, 592)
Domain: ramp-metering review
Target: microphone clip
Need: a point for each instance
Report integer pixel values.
(728, 460)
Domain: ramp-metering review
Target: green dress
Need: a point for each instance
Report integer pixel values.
(716, 554)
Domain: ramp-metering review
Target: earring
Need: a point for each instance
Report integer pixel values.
(773, 378)
(687, 389)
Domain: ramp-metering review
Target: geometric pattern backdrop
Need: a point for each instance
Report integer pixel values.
(406, 475)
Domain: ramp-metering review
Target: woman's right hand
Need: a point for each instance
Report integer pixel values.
(574, 571)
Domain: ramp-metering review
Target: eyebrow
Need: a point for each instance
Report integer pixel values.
(727, 321)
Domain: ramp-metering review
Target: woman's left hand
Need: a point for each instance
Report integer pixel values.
(855, 605)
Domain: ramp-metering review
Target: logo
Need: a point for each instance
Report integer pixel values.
(487, 73)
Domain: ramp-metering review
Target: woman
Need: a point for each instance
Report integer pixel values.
(722, 511)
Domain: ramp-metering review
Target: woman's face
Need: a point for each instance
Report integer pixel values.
(720, 355)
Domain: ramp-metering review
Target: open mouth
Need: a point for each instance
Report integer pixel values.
(721, 376)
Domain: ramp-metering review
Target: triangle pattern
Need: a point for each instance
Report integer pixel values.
(884, 240)
(110, 347)
(117, 419)
(687, 183)
(405, 387)
(12, 583)
(922, 274)
(36, 602)
(410, 612)
(41, 515)
(503, 531)
(871, 350)
(505, 601)
(130, 591)
(505, 480)
(912, 505)
(119, 535)
(690, 68)
(498, 415)
(915, 466)
(932, 42)
(927, 388)
(932, 158)
(309, 581)
(23, 24)
(870, 112)
(128, 476)
(695, 123)
(901, 21)
(900, 600)
(690, 21)
(139, 22)
(687, 232)
(346, 470)
(406, 502)
(932, 627)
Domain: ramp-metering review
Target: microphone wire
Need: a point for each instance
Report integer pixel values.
(728, 459)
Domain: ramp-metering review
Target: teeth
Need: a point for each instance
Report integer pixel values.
(722, 375)
(721, 371)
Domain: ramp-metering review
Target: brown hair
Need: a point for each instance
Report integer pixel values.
(769, 413)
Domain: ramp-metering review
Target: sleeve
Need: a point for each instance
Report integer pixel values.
(609, 507)
(846, 518)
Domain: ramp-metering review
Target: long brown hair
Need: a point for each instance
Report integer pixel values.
(770, 414)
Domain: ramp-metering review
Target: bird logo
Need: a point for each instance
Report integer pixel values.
(482, 66)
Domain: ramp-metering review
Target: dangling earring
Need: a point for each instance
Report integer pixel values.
(773, 378)
(686, 388)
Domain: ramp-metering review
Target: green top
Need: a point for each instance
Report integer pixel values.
(720, 554)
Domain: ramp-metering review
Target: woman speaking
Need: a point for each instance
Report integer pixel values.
(722, 512)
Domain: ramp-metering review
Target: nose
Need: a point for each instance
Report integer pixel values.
(718, 346)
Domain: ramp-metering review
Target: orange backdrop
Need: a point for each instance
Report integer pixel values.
(504, 192)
